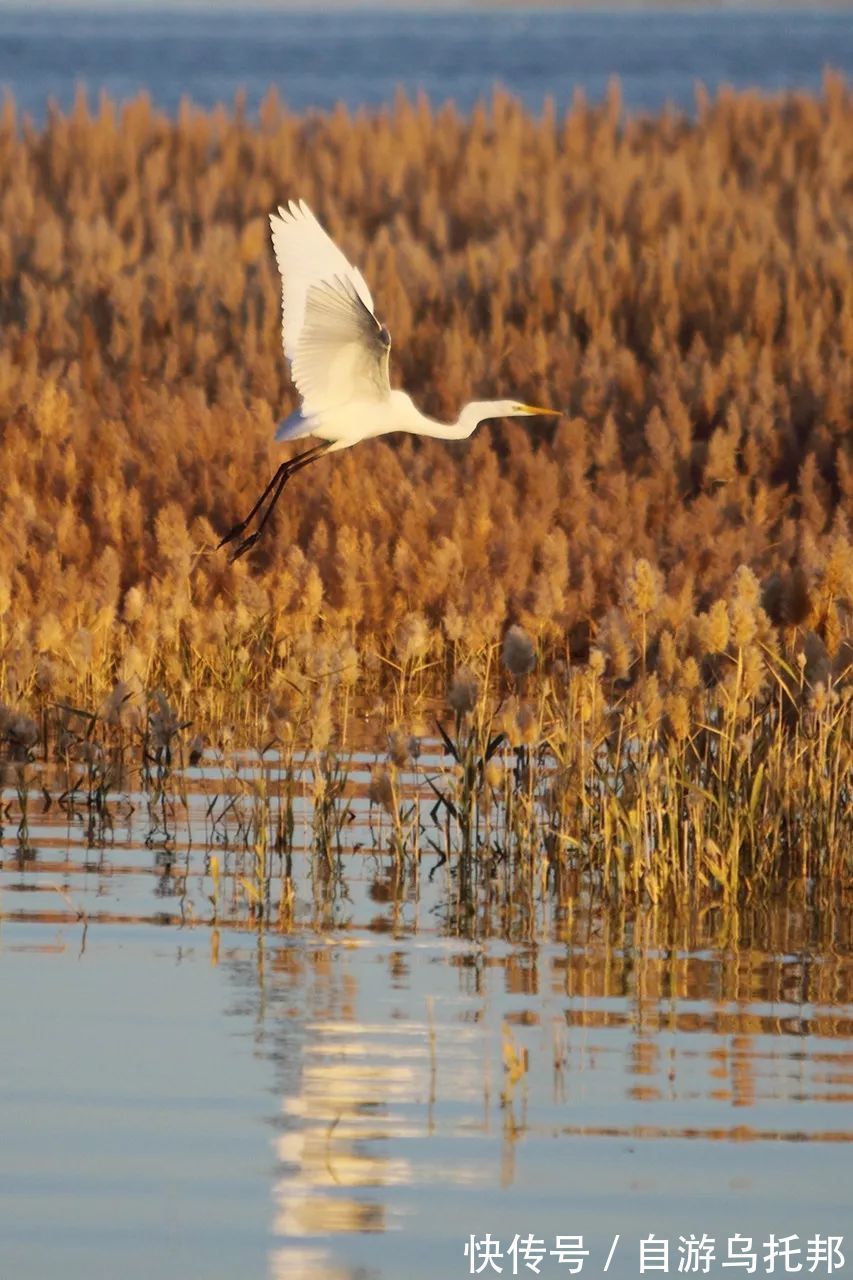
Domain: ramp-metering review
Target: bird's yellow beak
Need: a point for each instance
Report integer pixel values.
(532, 409)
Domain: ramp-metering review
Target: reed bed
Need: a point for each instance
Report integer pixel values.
(631, 634)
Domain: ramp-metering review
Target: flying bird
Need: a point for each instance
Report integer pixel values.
(339, 361)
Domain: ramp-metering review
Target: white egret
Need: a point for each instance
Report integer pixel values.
(339, 356)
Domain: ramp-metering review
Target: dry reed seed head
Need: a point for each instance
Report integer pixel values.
(133, 604)
(321, 659)
(506, 720)
(754, 673)
(16, 673)
(650, 704)
(279, 716)
(558, 674)
(821, 700)
(620, 647)
(403, 748)
(519, 652)
(746, 585)
(163, 721)
(744, 623)
(454, 624)
(589, 699)
(289, 685)
(495, 774)
(678, 717)
(115, 706)
(713, 628)
(690, 677)
(597, 663)
(464, 691)
(82, 647)
(529, 725)
(44, 676)
(838, 570)
(348, 665)
(133, 668)
(51, 411)
(642, 589)
(413, 639)
(833, 628)
(817, 666)
(652, 770)
(667, 659)
(50, 634)
(321, 726)
(381, 787)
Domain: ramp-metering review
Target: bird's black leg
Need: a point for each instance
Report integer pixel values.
(237, 529)
(283, 474)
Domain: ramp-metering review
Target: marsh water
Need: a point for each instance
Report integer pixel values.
(360, 58)
(218, 1060)
(389, 1058)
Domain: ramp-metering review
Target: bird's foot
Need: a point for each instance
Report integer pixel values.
(233, 532)
(245, 546)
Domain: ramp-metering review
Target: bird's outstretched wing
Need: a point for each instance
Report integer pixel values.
(337, 349)
(343, 351)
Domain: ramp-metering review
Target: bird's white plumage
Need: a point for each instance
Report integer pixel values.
(339, 352)
(337, 349)
(339, 355)
(306, 256)
(342, 352)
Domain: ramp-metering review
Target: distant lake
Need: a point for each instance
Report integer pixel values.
(360, 58)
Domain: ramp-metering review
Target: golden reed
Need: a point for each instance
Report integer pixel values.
(677, 550)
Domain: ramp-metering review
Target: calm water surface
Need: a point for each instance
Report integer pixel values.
(317, 59)
(388, 1066)
(393, 1064)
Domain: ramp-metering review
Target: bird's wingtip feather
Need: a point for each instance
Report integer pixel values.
(294, 211)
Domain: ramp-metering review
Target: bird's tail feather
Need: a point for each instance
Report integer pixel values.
(294, 427)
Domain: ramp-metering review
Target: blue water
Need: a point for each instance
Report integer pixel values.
(359, 58)
(176, 1104)
(352, 1090)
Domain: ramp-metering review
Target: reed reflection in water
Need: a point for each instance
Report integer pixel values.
(432, 1088)
(394, 1062)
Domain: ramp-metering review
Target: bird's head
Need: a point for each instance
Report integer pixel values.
(519, 410)
(513, 409)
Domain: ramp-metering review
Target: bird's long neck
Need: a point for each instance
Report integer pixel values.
(469, 419)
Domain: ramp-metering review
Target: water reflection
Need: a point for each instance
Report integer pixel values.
(443, 1061)
(414, 1070)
